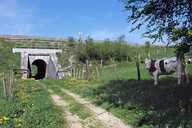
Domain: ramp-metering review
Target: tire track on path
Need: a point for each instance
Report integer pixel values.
(73, 120)
(104, 116)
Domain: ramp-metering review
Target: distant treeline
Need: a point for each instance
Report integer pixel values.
(89, 49)
(118, 50)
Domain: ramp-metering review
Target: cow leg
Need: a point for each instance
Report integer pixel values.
(155, 77)
(187, 75)
(179, 73)
(179, 78)
(187, 78)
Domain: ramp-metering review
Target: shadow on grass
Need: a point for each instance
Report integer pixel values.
(165, 105)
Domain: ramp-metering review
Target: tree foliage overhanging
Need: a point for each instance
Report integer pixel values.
(163, 18)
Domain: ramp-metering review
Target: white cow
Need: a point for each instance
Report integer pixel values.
(166, 66)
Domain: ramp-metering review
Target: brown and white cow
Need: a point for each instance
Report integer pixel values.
(166, 66)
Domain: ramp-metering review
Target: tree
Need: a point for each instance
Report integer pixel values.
(121, 39)
(71, 39)
(81, 52)
(91, 48)
(163, 18)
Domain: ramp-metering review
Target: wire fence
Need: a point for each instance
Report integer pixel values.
(85, 71)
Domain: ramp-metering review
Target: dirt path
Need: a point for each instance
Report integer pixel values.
(104, 116)
(73, 120)
(108, 119)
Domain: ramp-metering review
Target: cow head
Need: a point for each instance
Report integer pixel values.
(147, 63)
(189, 61)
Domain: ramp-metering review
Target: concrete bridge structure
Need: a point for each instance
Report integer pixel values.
(45, 60)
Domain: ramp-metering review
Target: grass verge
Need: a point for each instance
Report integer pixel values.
(31, 108)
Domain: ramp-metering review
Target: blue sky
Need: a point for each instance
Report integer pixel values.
(99, 19)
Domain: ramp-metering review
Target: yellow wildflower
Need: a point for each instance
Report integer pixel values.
(5, 118)
(1, 121)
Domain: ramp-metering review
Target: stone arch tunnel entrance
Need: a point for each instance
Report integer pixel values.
(45, 61)
(41, 69)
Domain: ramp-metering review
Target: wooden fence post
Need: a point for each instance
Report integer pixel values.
(117, 76)
(4, 87)
(8, 82)
(77, 73)
(101, 64)
(101, 67)
(138, 71)
(73, 71)
(11, 79)
(138, 67)
(83, 73)
(87, 76)
(97, 71)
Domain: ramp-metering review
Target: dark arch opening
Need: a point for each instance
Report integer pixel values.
(41, 69)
